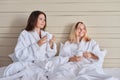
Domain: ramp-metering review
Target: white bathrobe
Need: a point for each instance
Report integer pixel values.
(27, 48)
(86, 69)
(71, 49)
(32, 59)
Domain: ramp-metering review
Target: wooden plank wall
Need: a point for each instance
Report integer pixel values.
(102, 18)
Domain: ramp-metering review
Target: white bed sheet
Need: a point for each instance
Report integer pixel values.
(115, 72)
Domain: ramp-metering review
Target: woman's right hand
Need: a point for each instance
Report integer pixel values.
(42, 40)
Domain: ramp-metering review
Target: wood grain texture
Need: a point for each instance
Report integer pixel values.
(102, 18)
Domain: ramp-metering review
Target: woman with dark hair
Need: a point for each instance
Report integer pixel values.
(34, 43)
(35, 47)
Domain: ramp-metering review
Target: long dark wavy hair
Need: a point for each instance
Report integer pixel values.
(32, 20)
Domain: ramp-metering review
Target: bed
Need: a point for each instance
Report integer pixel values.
(111, 71)
(1, 71)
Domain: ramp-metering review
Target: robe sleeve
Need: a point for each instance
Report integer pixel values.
(24, 51)
(98, 52)
(51, 52)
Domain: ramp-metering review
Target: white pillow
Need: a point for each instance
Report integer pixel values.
(12, 56)
(61, 46)
(103, 53)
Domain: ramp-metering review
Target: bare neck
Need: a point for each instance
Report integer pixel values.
(38, 30)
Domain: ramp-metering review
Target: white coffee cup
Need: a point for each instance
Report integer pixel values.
(49, 36)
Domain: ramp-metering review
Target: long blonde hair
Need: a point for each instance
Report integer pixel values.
(72, 36)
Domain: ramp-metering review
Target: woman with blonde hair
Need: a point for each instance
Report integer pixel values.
(73, 34)
(80, 44)
(85, 58)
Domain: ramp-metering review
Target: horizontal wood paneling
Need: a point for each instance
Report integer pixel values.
(103, 42)
(60, 20)
(65, 35)
(54, 1)
(102, 18)
(111, 52)
(67, 29)
(20, 7)
(4, 61)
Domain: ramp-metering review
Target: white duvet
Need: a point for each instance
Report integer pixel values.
(86, 69)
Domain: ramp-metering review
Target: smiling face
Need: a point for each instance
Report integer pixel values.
(80, 30)
(41, 21)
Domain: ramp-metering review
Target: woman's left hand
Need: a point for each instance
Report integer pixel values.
(52, 41)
